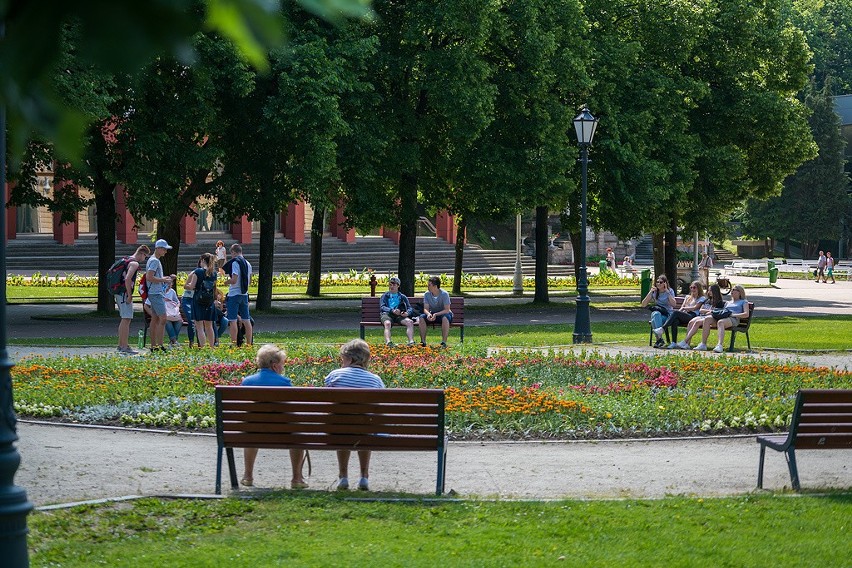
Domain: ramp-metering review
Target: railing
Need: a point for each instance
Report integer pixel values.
(427, 224)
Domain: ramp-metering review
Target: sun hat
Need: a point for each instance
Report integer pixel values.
(162, 244)
(394, 280)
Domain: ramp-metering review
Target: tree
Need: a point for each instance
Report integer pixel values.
(814, 199)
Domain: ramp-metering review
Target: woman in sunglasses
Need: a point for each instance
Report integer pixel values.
(684, 314)
(661, 301)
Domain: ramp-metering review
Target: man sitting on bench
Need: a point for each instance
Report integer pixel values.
(394, 308)
(436, 308)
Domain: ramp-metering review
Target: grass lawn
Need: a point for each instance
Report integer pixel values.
(784, 333)
(326, 530)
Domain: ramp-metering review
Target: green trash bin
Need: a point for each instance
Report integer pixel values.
(770, 264)
(645, 283)
(773, 275)
(602, 267)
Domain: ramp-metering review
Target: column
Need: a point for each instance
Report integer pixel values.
(392, 234)
(337, 228)
(241, 230)
(293, 222)
(188, 230)
(125, 226)
(64, 233)
(445, 225)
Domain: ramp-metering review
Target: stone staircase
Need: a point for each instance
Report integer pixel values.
(40, 253)
(644, 252)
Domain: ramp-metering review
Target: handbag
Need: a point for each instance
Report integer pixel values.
(656, 308)
(720, 313)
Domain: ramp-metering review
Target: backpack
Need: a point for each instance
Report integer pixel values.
(116, 275)
(205, 294)
(143, 288)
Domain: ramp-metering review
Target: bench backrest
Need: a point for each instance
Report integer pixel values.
(370, 307)
(330, 418)
(746, 323)
(822, 419)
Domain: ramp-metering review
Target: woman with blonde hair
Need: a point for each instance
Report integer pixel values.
(202, 281)
(735, 310)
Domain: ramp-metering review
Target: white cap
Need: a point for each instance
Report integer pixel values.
(162, 244)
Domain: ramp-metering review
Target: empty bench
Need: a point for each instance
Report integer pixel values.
(285, 418)
(822, 420)
(370, 313)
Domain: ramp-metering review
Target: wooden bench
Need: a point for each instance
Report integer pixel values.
(743, 327)
(406, 420)
(370, 313)
(822, 420)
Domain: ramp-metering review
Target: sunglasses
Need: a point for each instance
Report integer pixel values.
(693, 287)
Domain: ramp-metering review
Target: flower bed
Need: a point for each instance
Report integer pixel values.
(511, 396)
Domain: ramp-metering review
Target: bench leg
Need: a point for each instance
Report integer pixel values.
(733, 338)
(461, 334)
(232, 468)
(760, 466)
(362, 332)
(219, 471)
(748, 341)
(442, 470)
(794, 471)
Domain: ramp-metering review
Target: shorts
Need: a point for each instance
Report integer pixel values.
(439, 317)
(238, 305)
(125, 309)
(385, 316)
(158, 304)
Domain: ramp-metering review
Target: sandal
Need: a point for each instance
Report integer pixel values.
(247, 481)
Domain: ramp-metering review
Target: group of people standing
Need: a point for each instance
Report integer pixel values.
(205, 308)
(697, 312)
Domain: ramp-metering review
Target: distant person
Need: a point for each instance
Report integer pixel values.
(353, 373)
(174, 320)
(202, 282)
(829, 267)
(704, 268)
(661, 301)
(124, 299)
(394, 308)
(270, 362)
(436, 308)
(627, 265)
(610, 259)
(220, 254)
(156, 289)
(821, 262)
(239, 270)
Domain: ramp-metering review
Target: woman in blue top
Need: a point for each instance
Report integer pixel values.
(663, 299)
(270, 362)
(688, 310)
(394, 308)
(355, 357)
(203, 315)
(739, 311)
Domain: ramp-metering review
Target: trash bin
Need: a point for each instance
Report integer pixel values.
(773, 275)
(645, 283)
(770, 264)
(602, 267)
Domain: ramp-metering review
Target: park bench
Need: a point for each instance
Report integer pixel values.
(822, 420)
(743, 327)
(741, 266)
(370, 313)
(314, 418)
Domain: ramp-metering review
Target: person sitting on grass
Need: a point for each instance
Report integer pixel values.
(688, 310)
(270, 362)
(394, 308)
(436, 308)
(353, 373)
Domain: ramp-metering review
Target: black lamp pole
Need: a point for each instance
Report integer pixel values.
(585, 124)
(14, 506)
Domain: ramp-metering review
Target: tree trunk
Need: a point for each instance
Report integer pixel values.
(670, 261)
(541, 295)
(407, 234)
(659, 254)
(105, 207)
(786, 247)
(169, 229)
(457, 269)
(265, 268)
(315, 269)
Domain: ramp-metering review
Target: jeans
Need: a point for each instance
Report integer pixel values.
(186, 304)
(173, 329)
(657, 319)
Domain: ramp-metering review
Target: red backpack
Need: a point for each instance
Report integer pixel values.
(143, 288)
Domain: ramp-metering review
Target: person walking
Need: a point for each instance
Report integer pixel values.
(820, 275)
(239, 270)
(124, 299)
(156, 289)
(829, 267)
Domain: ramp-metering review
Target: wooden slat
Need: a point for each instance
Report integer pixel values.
(352, 419)
(822, 418)
(328, 407)
(830, 428)
(325, 394)
(341, 441)
(826, 395)
(823, 441)
(378, 429)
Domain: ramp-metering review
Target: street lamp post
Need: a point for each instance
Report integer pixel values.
(518, 288)
(695, 259)
(585, 124)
